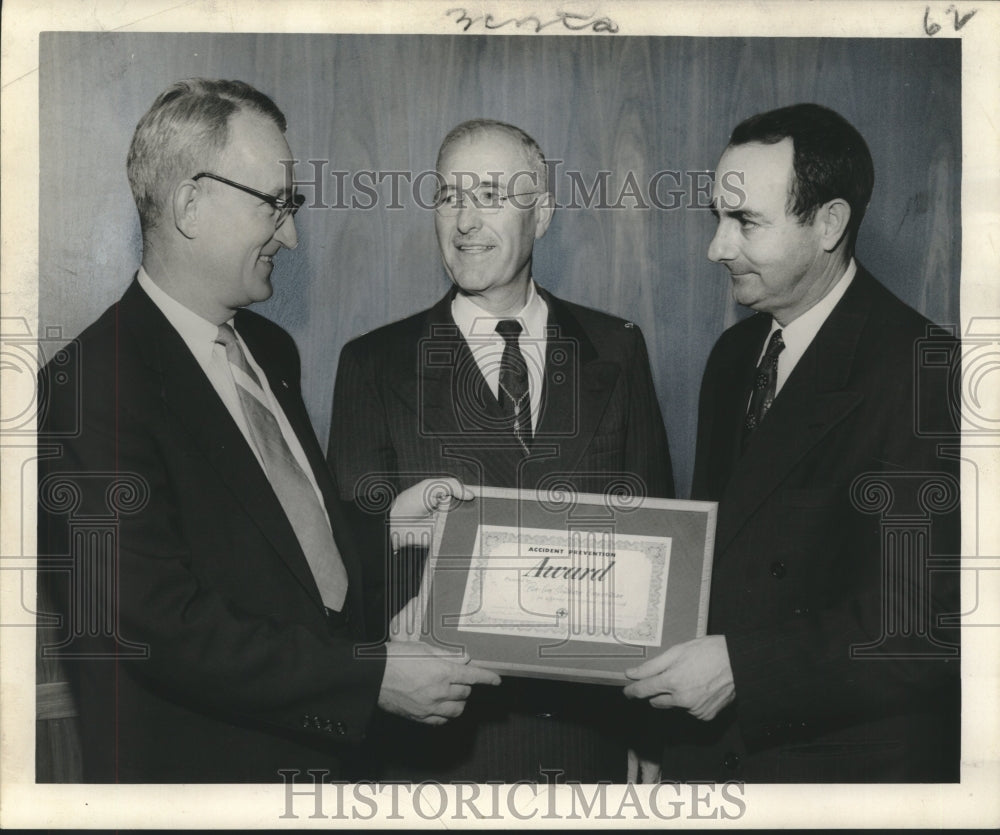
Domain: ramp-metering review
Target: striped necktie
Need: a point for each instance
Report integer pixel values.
(514, 393)
(302, 506)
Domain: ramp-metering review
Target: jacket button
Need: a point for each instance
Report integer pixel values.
(306, 721)
(341, 728)
(778, 569)
(731, 761)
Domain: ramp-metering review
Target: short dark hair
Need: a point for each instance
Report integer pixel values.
(830, 159)
(188, 122)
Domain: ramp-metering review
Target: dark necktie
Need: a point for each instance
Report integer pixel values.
(291, 485)
(764, 386)
(513, 395)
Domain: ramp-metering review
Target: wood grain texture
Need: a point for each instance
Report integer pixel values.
(623, 105)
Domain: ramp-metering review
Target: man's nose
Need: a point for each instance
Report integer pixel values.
(286, 233)
(469, 217)
(721, 247)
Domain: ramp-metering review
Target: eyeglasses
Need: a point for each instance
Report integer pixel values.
(282, 208)
(485, 199)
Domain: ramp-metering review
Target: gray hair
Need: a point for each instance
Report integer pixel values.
(185, 128)
(478, 127)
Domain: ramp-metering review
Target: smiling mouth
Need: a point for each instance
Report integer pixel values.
(474, 249)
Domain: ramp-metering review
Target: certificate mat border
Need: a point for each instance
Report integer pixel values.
(459, 565)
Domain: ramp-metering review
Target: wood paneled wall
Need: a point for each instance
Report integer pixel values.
(616, 104)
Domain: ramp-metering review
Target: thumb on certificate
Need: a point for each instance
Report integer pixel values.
(426, 497)
(450, 489)
(654, 665)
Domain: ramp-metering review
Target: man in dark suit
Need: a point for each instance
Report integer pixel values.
(826, 659)
(501, 384)
(217, 633)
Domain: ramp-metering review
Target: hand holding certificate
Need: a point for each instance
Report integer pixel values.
(695, 675)
(570, 586)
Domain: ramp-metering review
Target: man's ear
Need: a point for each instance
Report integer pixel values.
(185, 208)
(544, 210)
(832, 220)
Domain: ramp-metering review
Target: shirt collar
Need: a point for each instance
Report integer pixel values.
(473, 321)
(198, 334)
(800, 332)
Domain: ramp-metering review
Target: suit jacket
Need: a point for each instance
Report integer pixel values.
(820, 581)
(228, 667)
(410, 403)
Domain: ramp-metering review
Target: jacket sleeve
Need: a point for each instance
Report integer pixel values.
(647, 453)
(360, 450)
(362, 454)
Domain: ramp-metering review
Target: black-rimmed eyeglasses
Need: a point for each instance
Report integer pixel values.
(281, 207)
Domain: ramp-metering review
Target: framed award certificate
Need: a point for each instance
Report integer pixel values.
(565, 585)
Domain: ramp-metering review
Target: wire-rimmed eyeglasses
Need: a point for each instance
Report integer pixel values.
(486, 199)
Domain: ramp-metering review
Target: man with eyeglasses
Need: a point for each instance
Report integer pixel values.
(501, 384)
(221, 636)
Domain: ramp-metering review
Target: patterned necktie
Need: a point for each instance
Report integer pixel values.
(291, 485)
(764, 386)
(514, 397)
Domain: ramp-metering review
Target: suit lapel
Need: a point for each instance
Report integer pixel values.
(450, 394)
(454, 404)
(189, 396)
(815, 398)
(732, 386)
(286, 392)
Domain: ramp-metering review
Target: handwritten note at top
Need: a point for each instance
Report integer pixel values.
(532, 23)
(959, 20)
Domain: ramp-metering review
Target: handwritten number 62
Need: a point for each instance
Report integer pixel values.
(933, 28)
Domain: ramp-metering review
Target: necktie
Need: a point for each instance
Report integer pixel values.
(764, 386)
(291, 485)
(514, 398)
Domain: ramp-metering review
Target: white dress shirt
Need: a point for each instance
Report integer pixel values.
(801, 331)
(199, 335)
(487, 346)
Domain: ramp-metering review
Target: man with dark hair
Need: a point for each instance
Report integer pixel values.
(215, 630)
(502, 384)
(829, 159)
(826, 659)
